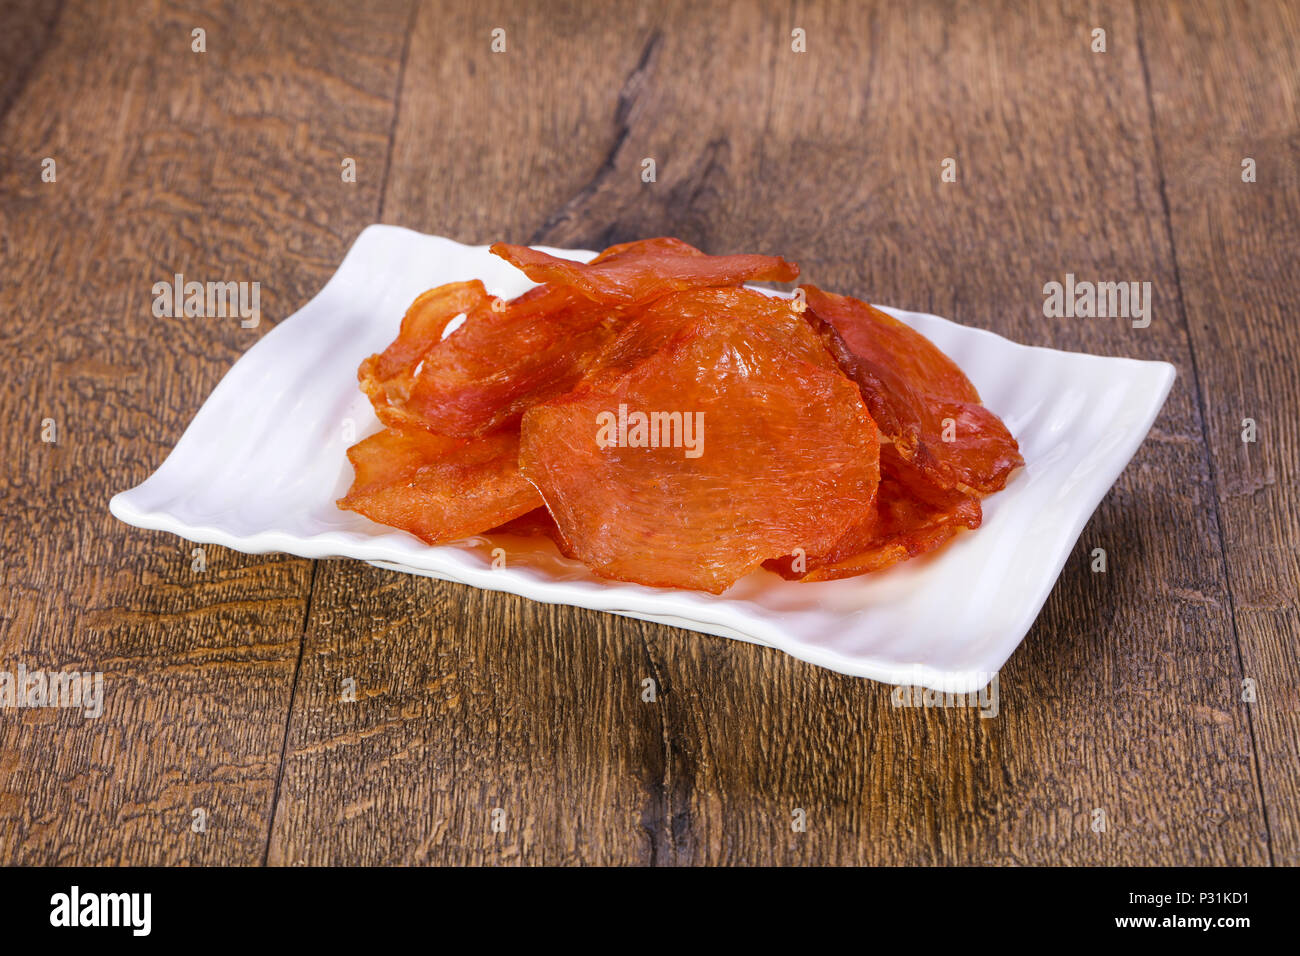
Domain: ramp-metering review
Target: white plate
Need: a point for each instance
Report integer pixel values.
(262, 463)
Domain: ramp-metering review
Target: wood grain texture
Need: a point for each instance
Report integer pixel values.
(1238, 256)
(1126, 695)
(222, 166)
(25, 30)
(445, 730)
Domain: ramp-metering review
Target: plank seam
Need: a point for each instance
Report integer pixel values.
(1201, 413)
(288, 717)
(665, 781)
(311, 585)
(397, 107)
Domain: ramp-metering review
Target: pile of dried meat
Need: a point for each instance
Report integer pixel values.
(664, 425)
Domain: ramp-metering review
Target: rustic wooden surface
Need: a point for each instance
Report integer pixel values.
(223, 687)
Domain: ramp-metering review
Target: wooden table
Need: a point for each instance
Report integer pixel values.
(223, 687)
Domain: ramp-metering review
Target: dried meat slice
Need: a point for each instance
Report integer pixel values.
(481, 375)
(438, 488)
(733, 441)
(766, 318)
(921, 400)
(538, 523)
(502, 358)
(642, 271)
(486, 373)
(506, 356)
(912, 516)
(388, 377)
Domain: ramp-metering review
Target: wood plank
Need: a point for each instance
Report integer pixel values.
(223, 165)
(1113, 701)
(467, 701)
(1124, 694)
(1238, 253)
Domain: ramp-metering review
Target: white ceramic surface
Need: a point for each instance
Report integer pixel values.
(263, 461)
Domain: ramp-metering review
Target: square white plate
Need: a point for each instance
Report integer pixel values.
(263, 461)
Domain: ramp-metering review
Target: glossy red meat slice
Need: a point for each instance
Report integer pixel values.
(780, 451)
(503, 358)
(770, 320)
(437, 488)
(488, 371)
(538, 523)
(641, 271)
(535, 524)
(911, 388)
(912, 516)
(388, 377)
